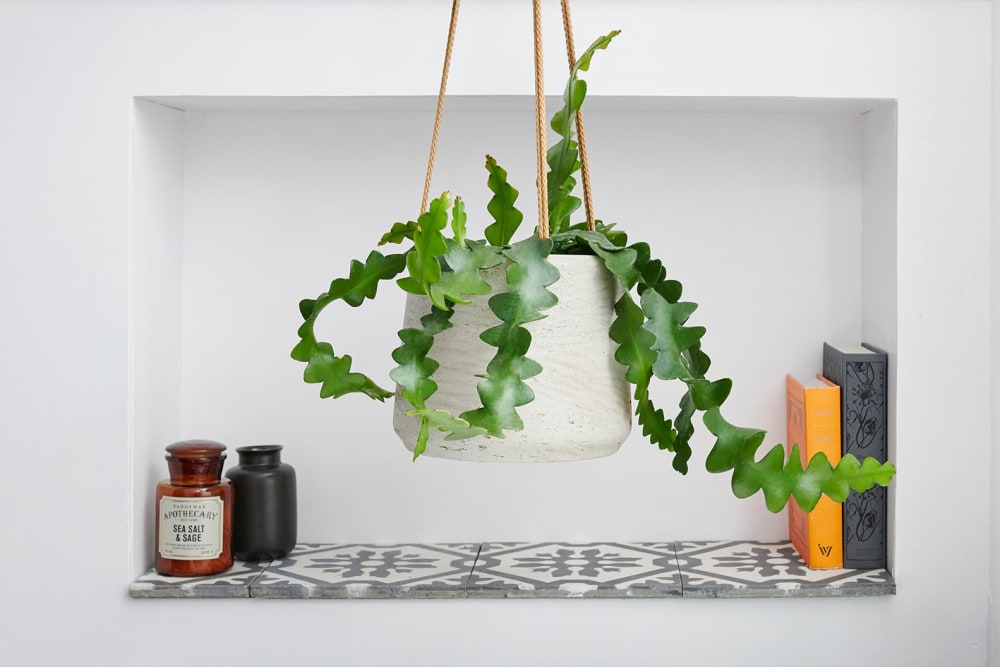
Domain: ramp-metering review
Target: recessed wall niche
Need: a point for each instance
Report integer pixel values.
(778, 215)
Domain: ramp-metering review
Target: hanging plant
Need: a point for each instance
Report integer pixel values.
(650, 329)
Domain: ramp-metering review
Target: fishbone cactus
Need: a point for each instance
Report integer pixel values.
(651, 329)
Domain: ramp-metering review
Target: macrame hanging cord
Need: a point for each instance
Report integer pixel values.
(540, 119)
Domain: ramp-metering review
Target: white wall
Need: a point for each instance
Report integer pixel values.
(70, 72)
(156, 282)
(994, 628)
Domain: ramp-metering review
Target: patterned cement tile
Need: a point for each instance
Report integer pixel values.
(542, 570)
(552, 569)
(768, 569)
(369, 571)
(234, 583)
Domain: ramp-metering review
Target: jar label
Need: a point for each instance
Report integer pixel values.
(190, 528)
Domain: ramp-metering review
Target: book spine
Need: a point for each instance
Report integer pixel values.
(795, 413)
(863, 381)
(823, 435)
(814, 424)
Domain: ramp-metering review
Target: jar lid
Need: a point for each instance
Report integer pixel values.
(259, 449)
(196, 449)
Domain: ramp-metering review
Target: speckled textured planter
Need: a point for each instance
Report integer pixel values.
(582, 407)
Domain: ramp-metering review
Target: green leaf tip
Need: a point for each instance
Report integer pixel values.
(735, 449)
(422, 261)
(442, 420)
(507, 218)
(458, 220)
(460, 276)
(563, 156)
(602, 42)
(400, 232)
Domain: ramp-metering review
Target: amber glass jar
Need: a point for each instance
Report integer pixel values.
(194, 512)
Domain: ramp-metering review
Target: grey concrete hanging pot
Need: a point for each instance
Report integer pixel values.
(582, 408)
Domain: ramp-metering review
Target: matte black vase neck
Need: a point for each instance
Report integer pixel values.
(260, 455)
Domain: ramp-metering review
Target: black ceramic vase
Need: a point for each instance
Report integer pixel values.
(264, 511)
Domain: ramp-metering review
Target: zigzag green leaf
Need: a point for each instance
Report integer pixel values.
(428, 244)
(622, 262)
(461, 276)
(336, 376)
(528, 276)
(583, 62)
(399, 233)
(457, 428)
(413, 375)
(502, 388)
(507, 217)
(655, 426)
(635, 342)
(707, 395)
(322, 364)
(642, 351)
(736, 447)
(565, 204)
(696, 361)
(685, 429)
(677, 348)
(636, 354)
(563, 157)
(617, 237)
(666, 321)
(458, 219)
(871, 472)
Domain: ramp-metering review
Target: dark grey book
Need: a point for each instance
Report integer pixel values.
(862, 373)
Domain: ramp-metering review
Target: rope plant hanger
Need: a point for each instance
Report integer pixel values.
(540, 131)
(528, 435)
(474, 382)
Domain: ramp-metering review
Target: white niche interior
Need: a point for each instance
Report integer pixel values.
(777, 215)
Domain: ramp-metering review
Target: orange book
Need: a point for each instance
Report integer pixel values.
(813, 413)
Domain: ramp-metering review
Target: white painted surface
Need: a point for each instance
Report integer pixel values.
(879, 263)
(69, 72)
(156, 272)
(994, 572)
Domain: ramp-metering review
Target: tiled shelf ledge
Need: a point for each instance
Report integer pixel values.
(523, 570)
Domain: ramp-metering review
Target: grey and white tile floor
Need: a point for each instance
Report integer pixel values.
(535, 570)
